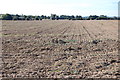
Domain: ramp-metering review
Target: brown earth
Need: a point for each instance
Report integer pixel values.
(60, 49)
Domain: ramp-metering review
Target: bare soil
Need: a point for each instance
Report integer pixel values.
(60, 49)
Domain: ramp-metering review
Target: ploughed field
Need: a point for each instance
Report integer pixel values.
(60, 49)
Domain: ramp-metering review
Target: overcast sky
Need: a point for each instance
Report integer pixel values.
(67, 7)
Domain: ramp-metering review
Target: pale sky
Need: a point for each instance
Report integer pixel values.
(59, 7)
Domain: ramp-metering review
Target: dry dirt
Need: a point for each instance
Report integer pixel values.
(60, 49)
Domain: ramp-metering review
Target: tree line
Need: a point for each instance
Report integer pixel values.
(55, 17)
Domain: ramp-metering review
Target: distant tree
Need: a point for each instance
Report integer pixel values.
(42, 16)
(48, 17)
(62, 16)
(69, 17)
(45, 17)
(102, 17)
(30, 17)
(17, 15)
(7, 17)
(93, 17)
(37, 17)
(115, 18)
(24, 17)
(27, 18)
(73, 17)
(53, 16)
(78, 17)
(65, 17)
(15, 18)
(57, 17)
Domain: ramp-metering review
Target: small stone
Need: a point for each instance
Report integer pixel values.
(113, 61)
(98, 66)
